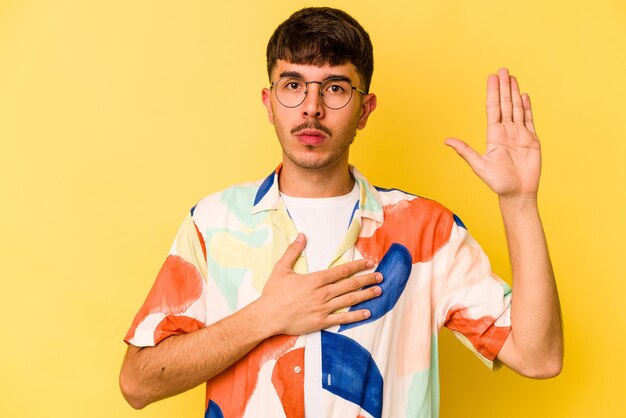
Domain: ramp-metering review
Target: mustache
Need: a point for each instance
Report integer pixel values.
(311, 125)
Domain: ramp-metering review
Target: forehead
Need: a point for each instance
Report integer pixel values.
(315, 72)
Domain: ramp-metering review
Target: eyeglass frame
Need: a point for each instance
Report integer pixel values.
(321, 83)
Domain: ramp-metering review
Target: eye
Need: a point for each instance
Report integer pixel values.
(292, 85)
(336, 87)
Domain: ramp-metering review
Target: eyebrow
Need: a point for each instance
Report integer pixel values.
(328, 77)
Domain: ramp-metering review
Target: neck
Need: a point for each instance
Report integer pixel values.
(333, 181)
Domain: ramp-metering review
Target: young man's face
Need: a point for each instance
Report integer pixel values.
(312, 135)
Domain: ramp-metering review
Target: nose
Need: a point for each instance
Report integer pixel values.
(312, 105)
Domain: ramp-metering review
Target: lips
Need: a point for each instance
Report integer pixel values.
(311, 137)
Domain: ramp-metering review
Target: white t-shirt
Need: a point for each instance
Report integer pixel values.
(324, 221)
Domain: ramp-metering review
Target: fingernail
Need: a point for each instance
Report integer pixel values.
(366, 314)
(370, 264)
(377, 290)
(299, 237)
(379, 277)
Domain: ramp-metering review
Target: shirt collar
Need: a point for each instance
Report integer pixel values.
(370, 205)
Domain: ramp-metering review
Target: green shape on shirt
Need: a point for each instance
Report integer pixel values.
(427, 383)
(240, 201)
(228, 277)
(371, 204)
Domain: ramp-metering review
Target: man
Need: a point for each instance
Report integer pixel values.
(312, 293)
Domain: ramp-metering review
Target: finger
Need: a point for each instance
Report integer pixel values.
(466, 152)
(346, 317)
(354, 298)
(337, 273)
(505, 95)
(493, 100)
(354, 283)
(528, 113)
(516, 98)
(292, 253)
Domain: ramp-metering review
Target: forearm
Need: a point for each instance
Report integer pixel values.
(182, 362)
(291, 304)
(535, 345)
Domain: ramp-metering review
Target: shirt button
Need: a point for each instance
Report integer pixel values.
(297, 369)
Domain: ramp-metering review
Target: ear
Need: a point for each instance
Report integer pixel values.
(266, 97)
(367, 107)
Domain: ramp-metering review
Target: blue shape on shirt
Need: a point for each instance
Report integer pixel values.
(350, 372)
(264, 188)
(458, 221)
(213, 411)
(356, 206)
(383, 189)
(396, 269)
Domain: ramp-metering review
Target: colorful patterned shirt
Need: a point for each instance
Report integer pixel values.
(435, 275)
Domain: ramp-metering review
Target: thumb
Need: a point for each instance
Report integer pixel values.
(471, 157)
(292, 252)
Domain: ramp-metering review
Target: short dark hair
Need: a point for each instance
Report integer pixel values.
(319, 36)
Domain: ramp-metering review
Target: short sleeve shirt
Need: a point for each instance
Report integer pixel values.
(435, 275)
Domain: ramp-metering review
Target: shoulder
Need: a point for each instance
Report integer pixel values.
(236, 199)
(412, 207)
(422, 226)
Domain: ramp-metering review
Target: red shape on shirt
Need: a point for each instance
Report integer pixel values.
(201, 239)
(288, 380)
(482, 332)
(231, 390)
(423, 226)
(174, 325)
(177, 286)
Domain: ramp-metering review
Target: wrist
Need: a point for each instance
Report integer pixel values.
(518, 203)
(519, 211)
(262, 318)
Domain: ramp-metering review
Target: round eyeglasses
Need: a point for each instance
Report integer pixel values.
(334, 92)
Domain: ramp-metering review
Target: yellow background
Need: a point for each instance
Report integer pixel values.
(117, 116)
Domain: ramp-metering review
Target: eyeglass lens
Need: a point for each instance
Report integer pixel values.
(335, 93)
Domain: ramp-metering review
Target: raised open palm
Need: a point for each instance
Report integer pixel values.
(511, 164)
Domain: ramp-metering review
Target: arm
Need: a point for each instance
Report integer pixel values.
(511, 167)
(291, 304)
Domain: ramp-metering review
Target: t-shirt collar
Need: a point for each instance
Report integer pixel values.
(370, 205)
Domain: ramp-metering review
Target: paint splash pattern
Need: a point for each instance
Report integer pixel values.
(225, 250)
